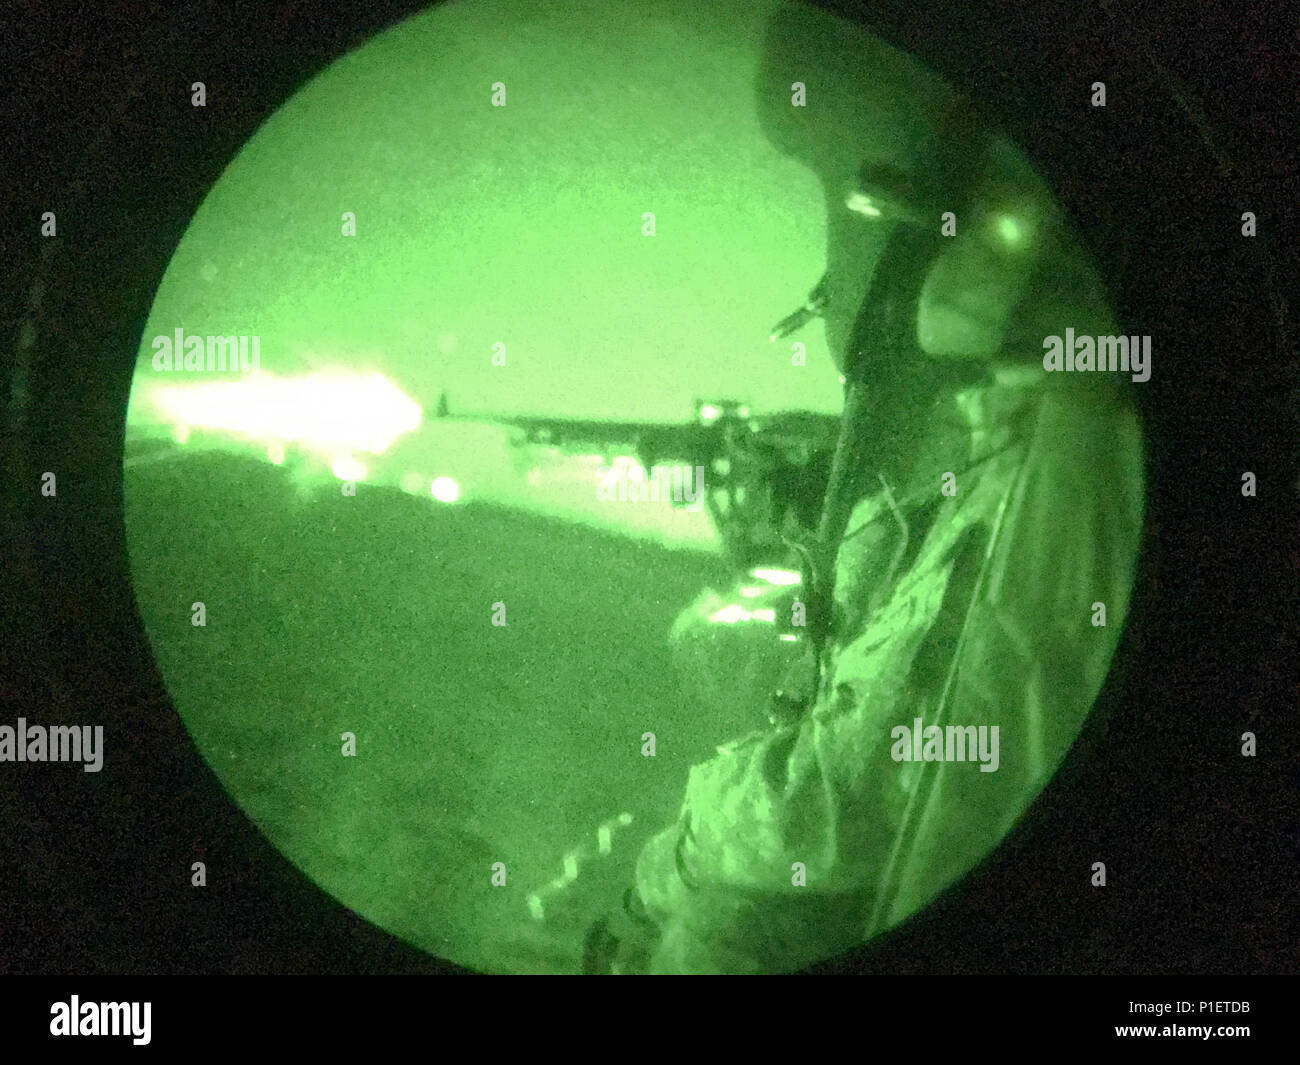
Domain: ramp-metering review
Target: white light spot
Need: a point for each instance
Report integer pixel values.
(444, 490)
(346, 468)
(860, 203)
(776, 576)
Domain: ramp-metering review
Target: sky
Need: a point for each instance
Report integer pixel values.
(522, 225)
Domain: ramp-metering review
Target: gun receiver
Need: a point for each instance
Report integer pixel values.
(764, 476)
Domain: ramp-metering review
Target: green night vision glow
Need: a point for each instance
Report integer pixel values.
(499, 544)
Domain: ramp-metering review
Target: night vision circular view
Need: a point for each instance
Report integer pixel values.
(602, 484)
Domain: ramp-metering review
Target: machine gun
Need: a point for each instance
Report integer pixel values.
(764, 476)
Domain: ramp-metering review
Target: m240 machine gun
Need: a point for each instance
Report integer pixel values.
(762, 476)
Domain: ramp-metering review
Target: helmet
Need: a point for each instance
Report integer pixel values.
(1002, 254)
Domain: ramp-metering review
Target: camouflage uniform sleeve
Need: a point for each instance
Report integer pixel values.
(780, 834)
(786, 839)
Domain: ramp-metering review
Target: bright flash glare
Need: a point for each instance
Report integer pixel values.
(328, 410)
(444, 490)
(346, 468)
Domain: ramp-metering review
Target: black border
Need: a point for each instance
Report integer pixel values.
(1201, 847)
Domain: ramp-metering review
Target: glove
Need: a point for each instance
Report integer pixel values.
(621, 942)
